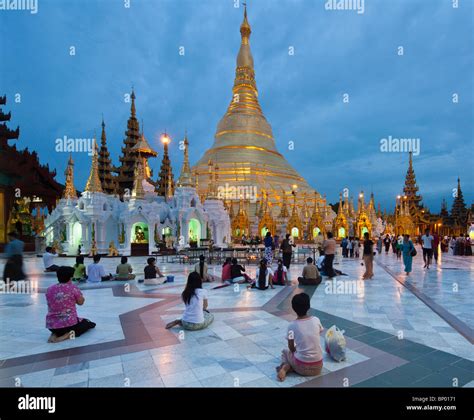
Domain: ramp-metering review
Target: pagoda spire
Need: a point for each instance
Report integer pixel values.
(459, 211)
(133, 111)
(284, 208)
(339, 209)
(93, 183)
(245, 93)
(138, 191)
(185, 178)
(411, 189)
(372, 203)
(165, 184)
(69, 190)
(128, 160)
(346, 205)
(105, 164)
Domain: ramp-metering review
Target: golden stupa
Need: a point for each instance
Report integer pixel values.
(244, 148)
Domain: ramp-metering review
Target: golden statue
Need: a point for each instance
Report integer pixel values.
(113, 252)
(58, 247)
(93, 249)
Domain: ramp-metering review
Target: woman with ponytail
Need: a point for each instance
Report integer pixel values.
(196, 316)
(201, 269)
(280, 277)
(263, 277)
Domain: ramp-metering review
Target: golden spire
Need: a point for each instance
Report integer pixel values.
(294, 210)
(93, 183)
(339, 209)
(139, 176)
(69, 189)
(245, 29)
(283, 209)
(304, 210)
(185, 178)
(315, 208)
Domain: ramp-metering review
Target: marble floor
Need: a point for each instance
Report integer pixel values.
(415, 331)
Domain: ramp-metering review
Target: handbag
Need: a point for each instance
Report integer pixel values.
(413, 251)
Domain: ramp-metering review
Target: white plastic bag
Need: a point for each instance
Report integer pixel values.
(336, 344)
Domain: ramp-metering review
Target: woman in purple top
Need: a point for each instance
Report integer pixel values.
(62, 319)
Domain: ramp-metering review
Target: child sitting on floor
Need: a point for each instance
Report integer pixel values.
(304, 354)
(79, 270)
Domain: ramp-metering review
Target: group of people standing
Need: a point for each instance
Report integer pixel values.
(461, 245)
(350, 247)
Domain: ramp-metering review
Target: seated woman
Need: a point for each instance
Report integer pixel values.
(237, 273)
(226, 275)
(263, 277)
(62, 298)
(196, 316)
(280, 278)
(124, 270)
(304, 354)
(201, 268)
(151, 270)
(79, 270)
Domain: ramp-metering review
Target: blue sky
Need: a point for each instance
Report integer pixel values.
(337, 145)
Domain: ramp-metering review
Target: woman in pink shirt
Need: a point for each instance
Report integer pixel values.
(304, 354)
(226, 275)
(62, 319)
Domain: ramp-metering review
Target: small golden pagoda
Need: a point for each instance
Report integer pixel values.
(341, 226)
(93, 182)
(240, 224)
(362, 222)
(266, 222)
(284, 213)
(294, 226)
(185, 178)
(69, 190)
(404, 223)
(138, 191)
(315, 224)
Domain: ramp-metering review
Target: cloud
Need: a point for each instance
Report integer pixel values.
(337, 144)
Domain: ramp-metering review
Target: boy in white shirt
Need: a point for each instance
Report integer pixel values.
(304, 354)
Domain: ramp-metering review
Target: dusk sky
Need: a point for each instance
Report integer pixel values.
(337, 144)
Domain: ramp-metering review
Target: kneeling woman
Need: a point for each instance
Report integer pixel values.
(263, 277)
(62, 298)
(196, 316)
